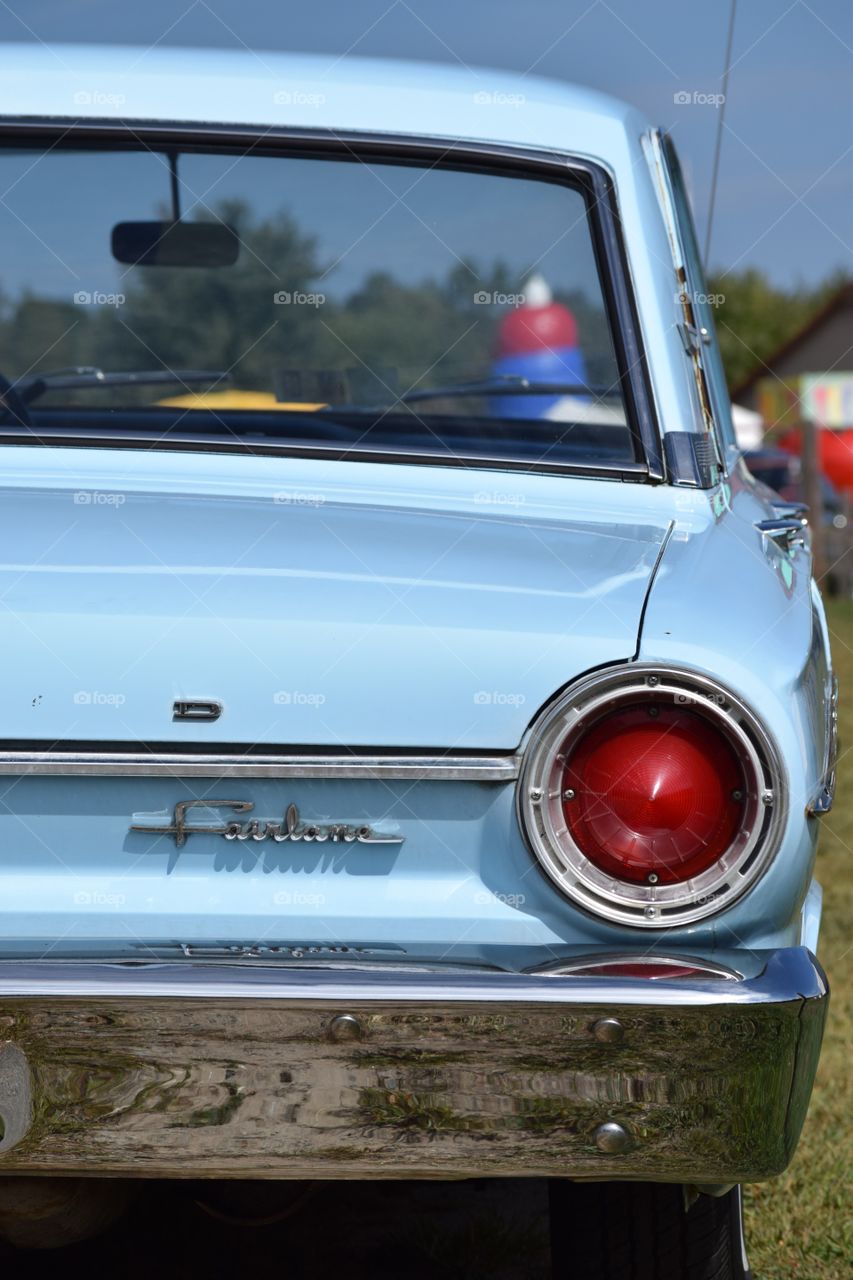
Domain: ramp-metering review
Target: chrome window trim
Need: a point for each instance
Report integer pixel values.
(651, 906)
(187, 442)
(687, 261)
(449, 768)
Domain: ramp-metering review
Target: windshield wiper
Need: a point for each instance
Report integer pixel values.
(38, 384)
(508, 385)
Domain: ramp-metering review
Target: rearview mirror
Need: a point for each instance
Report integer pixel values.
(175, 244)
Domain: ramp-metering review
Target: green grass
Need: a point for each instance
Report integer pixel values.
(800, 1226)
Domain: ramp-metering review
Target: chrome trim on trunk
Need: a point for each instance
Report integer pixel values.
(486, 768)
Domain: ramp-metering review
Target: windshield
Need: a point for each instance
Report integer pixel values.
(374, 304)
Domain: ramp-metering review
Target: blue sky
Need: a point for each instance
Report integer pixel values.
(785, 199)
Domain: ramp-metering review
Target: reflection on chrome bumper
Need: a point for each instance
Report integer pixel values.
(226, 1071)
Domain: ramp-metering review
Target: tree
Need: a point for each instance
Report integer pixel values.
(755, 316)
(222, 318)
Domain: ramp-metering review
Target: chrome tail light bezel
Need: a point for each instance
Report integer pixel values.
(653, 906)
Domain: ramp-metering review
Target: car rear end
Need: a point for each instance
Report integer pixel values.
(395, 783)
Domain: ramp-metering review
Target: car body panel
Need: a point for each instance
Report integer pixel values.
(764, 638)
(235, 563)
(240, 583)
(463, 888)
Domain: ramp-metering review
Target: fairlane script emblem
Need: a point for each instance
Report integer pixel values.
(292, 828)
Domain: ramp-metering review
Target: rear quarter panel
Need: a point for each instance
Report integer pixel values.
(729, 603)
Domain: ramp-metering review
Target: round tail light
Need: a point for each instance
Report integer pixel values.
(653, 794)
(652, 798)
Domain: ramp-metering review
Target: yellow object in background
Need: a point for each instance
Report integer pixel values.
(235, 400)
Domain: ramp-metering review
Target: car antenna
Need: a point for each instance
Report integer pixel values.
(724, 86)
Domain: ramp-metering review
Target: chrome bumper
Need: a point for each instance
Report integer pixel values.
(207, 1071)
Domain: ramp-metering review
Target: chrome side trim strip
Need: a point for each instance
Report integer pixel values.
(176, 765)
(789, 532)
(821, 801)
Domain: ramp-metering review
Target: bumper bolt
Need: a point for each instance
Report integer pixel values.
(608, 1030)
(345, 1027)
(612, 1138)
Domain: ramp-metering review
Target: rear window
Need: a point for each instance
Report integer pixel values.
(314, 300)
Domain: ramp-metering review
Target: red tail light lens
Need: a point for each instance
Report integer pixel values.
(649, 972)
(653, 794)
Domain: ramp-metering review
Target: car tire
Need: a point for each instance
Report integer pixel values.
(644, 1231)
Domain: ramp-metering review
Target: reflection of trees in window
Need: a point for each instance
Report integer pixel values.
(387, 334)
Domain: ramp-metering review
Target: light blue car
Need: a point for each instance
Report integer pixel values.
(415, 719)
